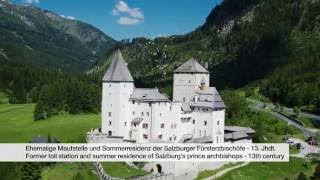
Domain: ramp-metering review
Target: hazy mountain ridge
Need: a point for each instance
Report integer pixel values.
(49, 40)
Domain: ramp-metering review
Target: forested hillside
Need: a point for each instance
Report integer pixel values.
(271, 42)
(48, 40)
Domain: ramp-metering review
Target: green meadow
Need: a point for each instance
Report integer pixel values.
(271, 170)
(17, 125)
(70, 171)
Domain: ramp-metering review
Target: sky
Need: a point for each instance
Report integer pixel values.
(123, 19)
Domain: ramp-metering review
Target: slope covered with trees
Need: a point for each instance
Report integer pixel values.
(271, 42)
(46, 39)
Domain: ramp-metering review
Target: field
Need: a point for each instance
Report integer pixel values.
(207, 173)
(17, 125)
(70, 171)
(274, 170)
(121, 170)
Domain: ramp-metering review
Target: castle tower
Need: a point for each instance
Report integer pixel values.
(117, 88)
(187, 79)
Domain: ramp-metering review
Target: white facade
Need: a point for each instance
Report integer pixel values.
(146, 115)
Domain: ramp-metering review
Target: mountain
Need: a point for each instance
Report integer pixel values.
(46, 39)
(271, 44)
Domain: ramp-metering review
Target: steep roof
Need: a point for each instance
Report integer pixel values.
(209, 98)
(191, 66)
(118, 70)
(149, 95)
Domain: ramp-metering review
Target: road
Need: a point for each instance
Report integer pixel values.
(288, 110)
(306, 131)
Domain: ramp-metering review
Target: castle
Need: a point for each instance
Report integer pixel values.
(196, 114)
(145, 115)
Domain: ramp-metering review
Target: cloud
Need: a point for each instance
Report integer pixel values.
(32, 1)
(128, 21)
(128, 15)
(68, 17)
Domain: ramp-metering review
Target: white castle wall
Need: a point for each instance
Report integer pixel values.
(116, 107)
(185, 85)
(218, 120)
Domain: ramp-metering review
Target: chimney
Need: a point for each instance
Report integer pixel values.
(206, 65)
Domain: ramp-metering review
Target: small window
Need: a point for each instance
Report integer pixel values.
(218, 123)
(125, 123)
(217, 139)
(170, 108)
(133, 102)
(200, 133)
(110, 123)
(170, 138)
(175, 138)
(145, 126)
(110, 105)
(160, 136)
(162, 125)
(189, 81)
(145, 136)
(205, 133)
(205, 123)
(142, 114)
(110, 133)
(133, 113)
(109, 114)
(110, 85)
(184, 99)
(160, 114)
(194, 121)
(124, 85)
(148, 114)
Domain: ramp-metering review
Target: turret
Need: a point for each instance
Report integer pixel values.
(187, 79)
(117, 87)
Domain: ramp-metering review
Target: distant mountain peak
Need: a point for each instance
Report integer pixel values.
(51, 36)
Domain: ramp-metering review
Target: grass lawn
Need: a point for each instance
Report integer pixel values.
(121, 170)
(70, 171)
(17, 125)
(270, 171)
(207, 173)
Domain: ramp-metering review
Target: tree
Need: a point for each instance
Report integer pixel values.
(296, 111)
(302, 176)
(316, 174)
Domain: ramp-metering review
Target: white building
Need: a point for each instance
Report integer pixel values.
(140, 115)
(145, 115)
